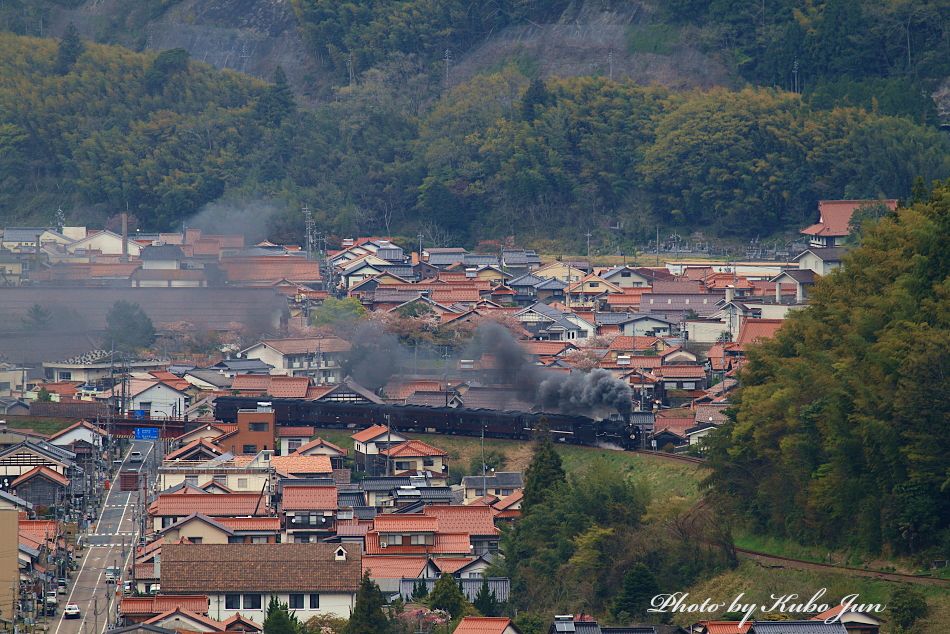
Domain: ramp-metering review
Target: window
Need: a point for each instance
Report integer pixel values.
(65, 376)
(259, 426)
(146, 405)
(232, 602)
(421, 540)
(194, 540)
(404, 465)
(296, 602)
(249, 449)
(689, 385)
(242, 483)
(314, 601)
(594, 284)
(428, 462)
(220, 479)
(192, 480)
(252, 602)
(625, 274)
(293, 445)
(259, 539)
(235, 539)
(4, 386)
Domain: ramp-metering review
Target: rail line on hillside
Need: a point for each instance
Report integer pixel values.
(800, 564)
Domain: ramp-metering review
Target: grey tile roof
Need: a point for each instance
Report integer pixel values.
(526, 280)
(162, 252)
(802, 276)
(479, 259)
(520, 257)
(500, 480)
(551, 313)
(551, 284)
(445, 259)
(351, 498)
(612, 318)
(211, 376)
(22, 234)
(243, 365)
(797, 627)
(827, 254)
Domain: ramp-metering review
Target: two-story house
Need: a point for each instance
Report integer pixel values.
(319, 358)
(308, 512)
(313, 579)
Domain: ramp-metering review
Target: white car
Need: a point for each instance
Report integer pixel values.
(135, 456)
(71, 611)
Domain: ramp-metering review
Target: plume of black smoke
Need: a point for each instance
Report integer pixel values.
(574, 393)
(585, 392)
(250, 218)
(375, 356)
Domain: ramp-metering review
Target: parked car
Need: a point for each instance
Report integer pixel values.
(61, 585)
(71, 611)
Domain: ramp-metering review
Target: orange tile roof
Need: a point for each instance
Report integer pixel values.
(193, 445)
(141, 606)
(210, 504)
(483, 625)
(398, 389)
(320, 442)
(277, 386)
(171, 380)
(457, 518)
(369, 433)
(624, 342)
(755, 330)
(450, 565)
(445, 544)
(215, 626)
(547, 348)
(45, 472)
(316, 392)
(398, 567)
(834, 216)
(270, 268)
(412, 448)
(307, 345)
(250, 523)
(296, 464)
(408, 523)
(309, 498)
(680, 372)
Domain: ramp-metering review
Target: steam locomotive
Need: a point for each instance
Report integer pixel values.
(580, 430)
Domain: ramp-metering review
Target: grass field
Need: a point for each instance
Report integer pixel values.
(665, 479)
(759, 583)
(46, 426)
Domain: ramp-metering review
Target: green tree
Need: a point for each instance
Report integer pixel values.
(544, 473)
(128, 328)
(279, 620)
(333, 312)
(639, 587)
(420, 590)
(43, 396)
(276, 102)
(446, 595)
(164, 66)
(907, 606)
(37, 318)
(535, 97)
(485, 601)
(827, 404)
(367, 616)
(69, 50)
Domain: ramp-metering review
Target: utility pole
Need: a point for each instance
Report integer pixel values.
(447, 57)
(588, 234)
(389, 444)
(658, 245)
(308, 227)
(420, 247)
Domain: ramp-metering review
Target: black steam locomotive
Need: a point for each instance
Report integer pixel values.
(578, 430)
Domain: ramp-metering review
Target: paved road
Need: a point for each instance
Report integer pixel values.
(110, 540)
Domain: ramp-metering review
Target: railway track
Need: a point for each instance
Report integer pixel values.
(671, 456)
(776, 561)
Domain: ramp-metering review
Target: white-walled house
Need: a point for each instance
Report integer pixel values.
(312, 578)
(154, 398)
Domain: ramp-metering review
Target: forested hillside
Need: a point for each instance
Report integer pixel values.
(498, 155)
(839, 438)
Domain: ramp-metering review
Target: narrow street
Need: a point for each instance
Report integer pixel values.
(110, 542)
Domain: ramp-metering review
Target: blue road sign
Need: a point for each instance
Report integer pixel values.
(146, 433)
